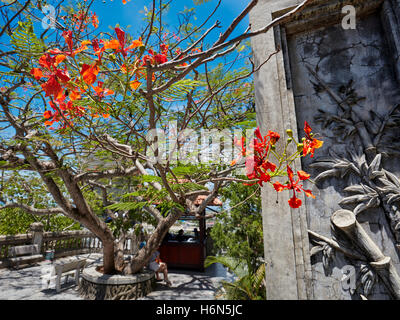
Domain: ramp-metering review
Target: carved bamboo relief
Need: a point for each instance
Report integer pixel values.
(376, 187)
(345, 84)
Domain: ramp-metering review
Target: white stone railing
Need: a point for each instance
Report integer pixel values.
(65, 243)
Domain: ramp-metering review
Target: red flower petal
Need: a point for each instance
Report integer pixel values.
(258, 134)
(55, 51)
(148, 58)
(49, 123)
(307, 128)
(265, 177)
(75, 95)
(294, 202)
(303, 175)
(121, 37)
(47, 114)
(62, 75)
(46, 61)
(52, 87)
(306, 148)
(308, 193)
(135, 84)
(89, 73)
(316, 144)
(95, 44)
(290, 174)
(160, 58)
(269, 166)
(112, 44)
(274, 136)
(279, 187)
(68, 39)
(164, 48)
(37, 73)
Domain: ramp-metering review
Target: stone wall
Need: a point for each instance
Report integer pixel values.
(97, 286)
(344, 83)
(64, 243)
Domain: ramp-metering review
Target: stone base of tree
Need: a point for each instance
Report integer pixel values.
(97, 286)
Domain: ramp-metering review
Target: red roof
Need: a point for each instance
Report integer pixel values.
(215, 202)
(198, 201)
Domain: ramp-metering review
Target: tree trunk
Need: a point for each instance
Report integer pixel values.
(153, 243)
(101, 231)
(119, 253)
(108, 257)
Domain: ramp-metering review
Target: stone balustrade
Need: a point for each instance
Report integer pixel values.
(65, 243)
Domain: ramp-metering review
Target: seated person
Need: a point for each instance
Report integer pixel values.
(157, 266)
(196, 234)
(180, 236)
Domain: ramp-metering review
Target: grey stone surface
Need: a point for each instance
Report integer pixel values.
(340, 56)
(37, 229)
(23, 250)
(191, 285)
(288, 94)
(25, 284)
(288, 268)
(90, 274)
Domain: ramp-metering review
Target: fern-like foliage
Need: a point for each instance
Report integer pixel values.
(25, 41)
(247, 286)
(28, 48)
(179, 90)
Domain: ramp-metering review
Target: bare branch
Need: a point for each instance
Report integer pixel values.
(32, 210)
(16, 15)
(114, 173)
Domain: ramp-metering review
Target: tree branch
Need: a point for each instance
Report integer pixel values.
(32, 210)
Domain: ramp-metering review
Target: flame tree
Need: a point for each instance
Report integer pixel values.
(77, 106)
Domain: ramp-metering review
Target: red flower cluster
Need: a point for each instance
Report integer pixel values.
(82, 19)
(49, 63)
(49, 70)
(294, 202)
(119, 44)
(257, 163)
(62, 111)
(258, 166)
(156, 58)
(309, 143)
(102, 92)
(59, 86)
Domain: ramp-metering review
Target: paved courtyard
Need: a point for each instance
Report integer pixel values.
(189, 285)
(25, 284)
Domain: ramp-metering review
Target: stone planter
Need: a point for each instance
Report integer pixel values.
(97, 286)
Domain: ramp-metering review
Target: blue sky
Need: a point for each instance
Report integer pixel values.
(112, 12)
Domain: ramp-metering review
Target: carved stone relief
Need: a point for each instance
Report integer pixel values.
(345, 84)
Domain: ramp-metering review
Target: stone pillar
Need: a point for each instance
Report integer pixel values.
(288, 267)
(37, 233)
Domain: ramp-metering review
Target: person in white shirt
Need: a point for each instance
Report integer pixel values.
(157, 266)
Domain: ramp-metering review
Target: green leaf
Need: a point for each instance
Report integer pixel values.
(25, 41)
(180, 89)
(126, 206)
(148, 178)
